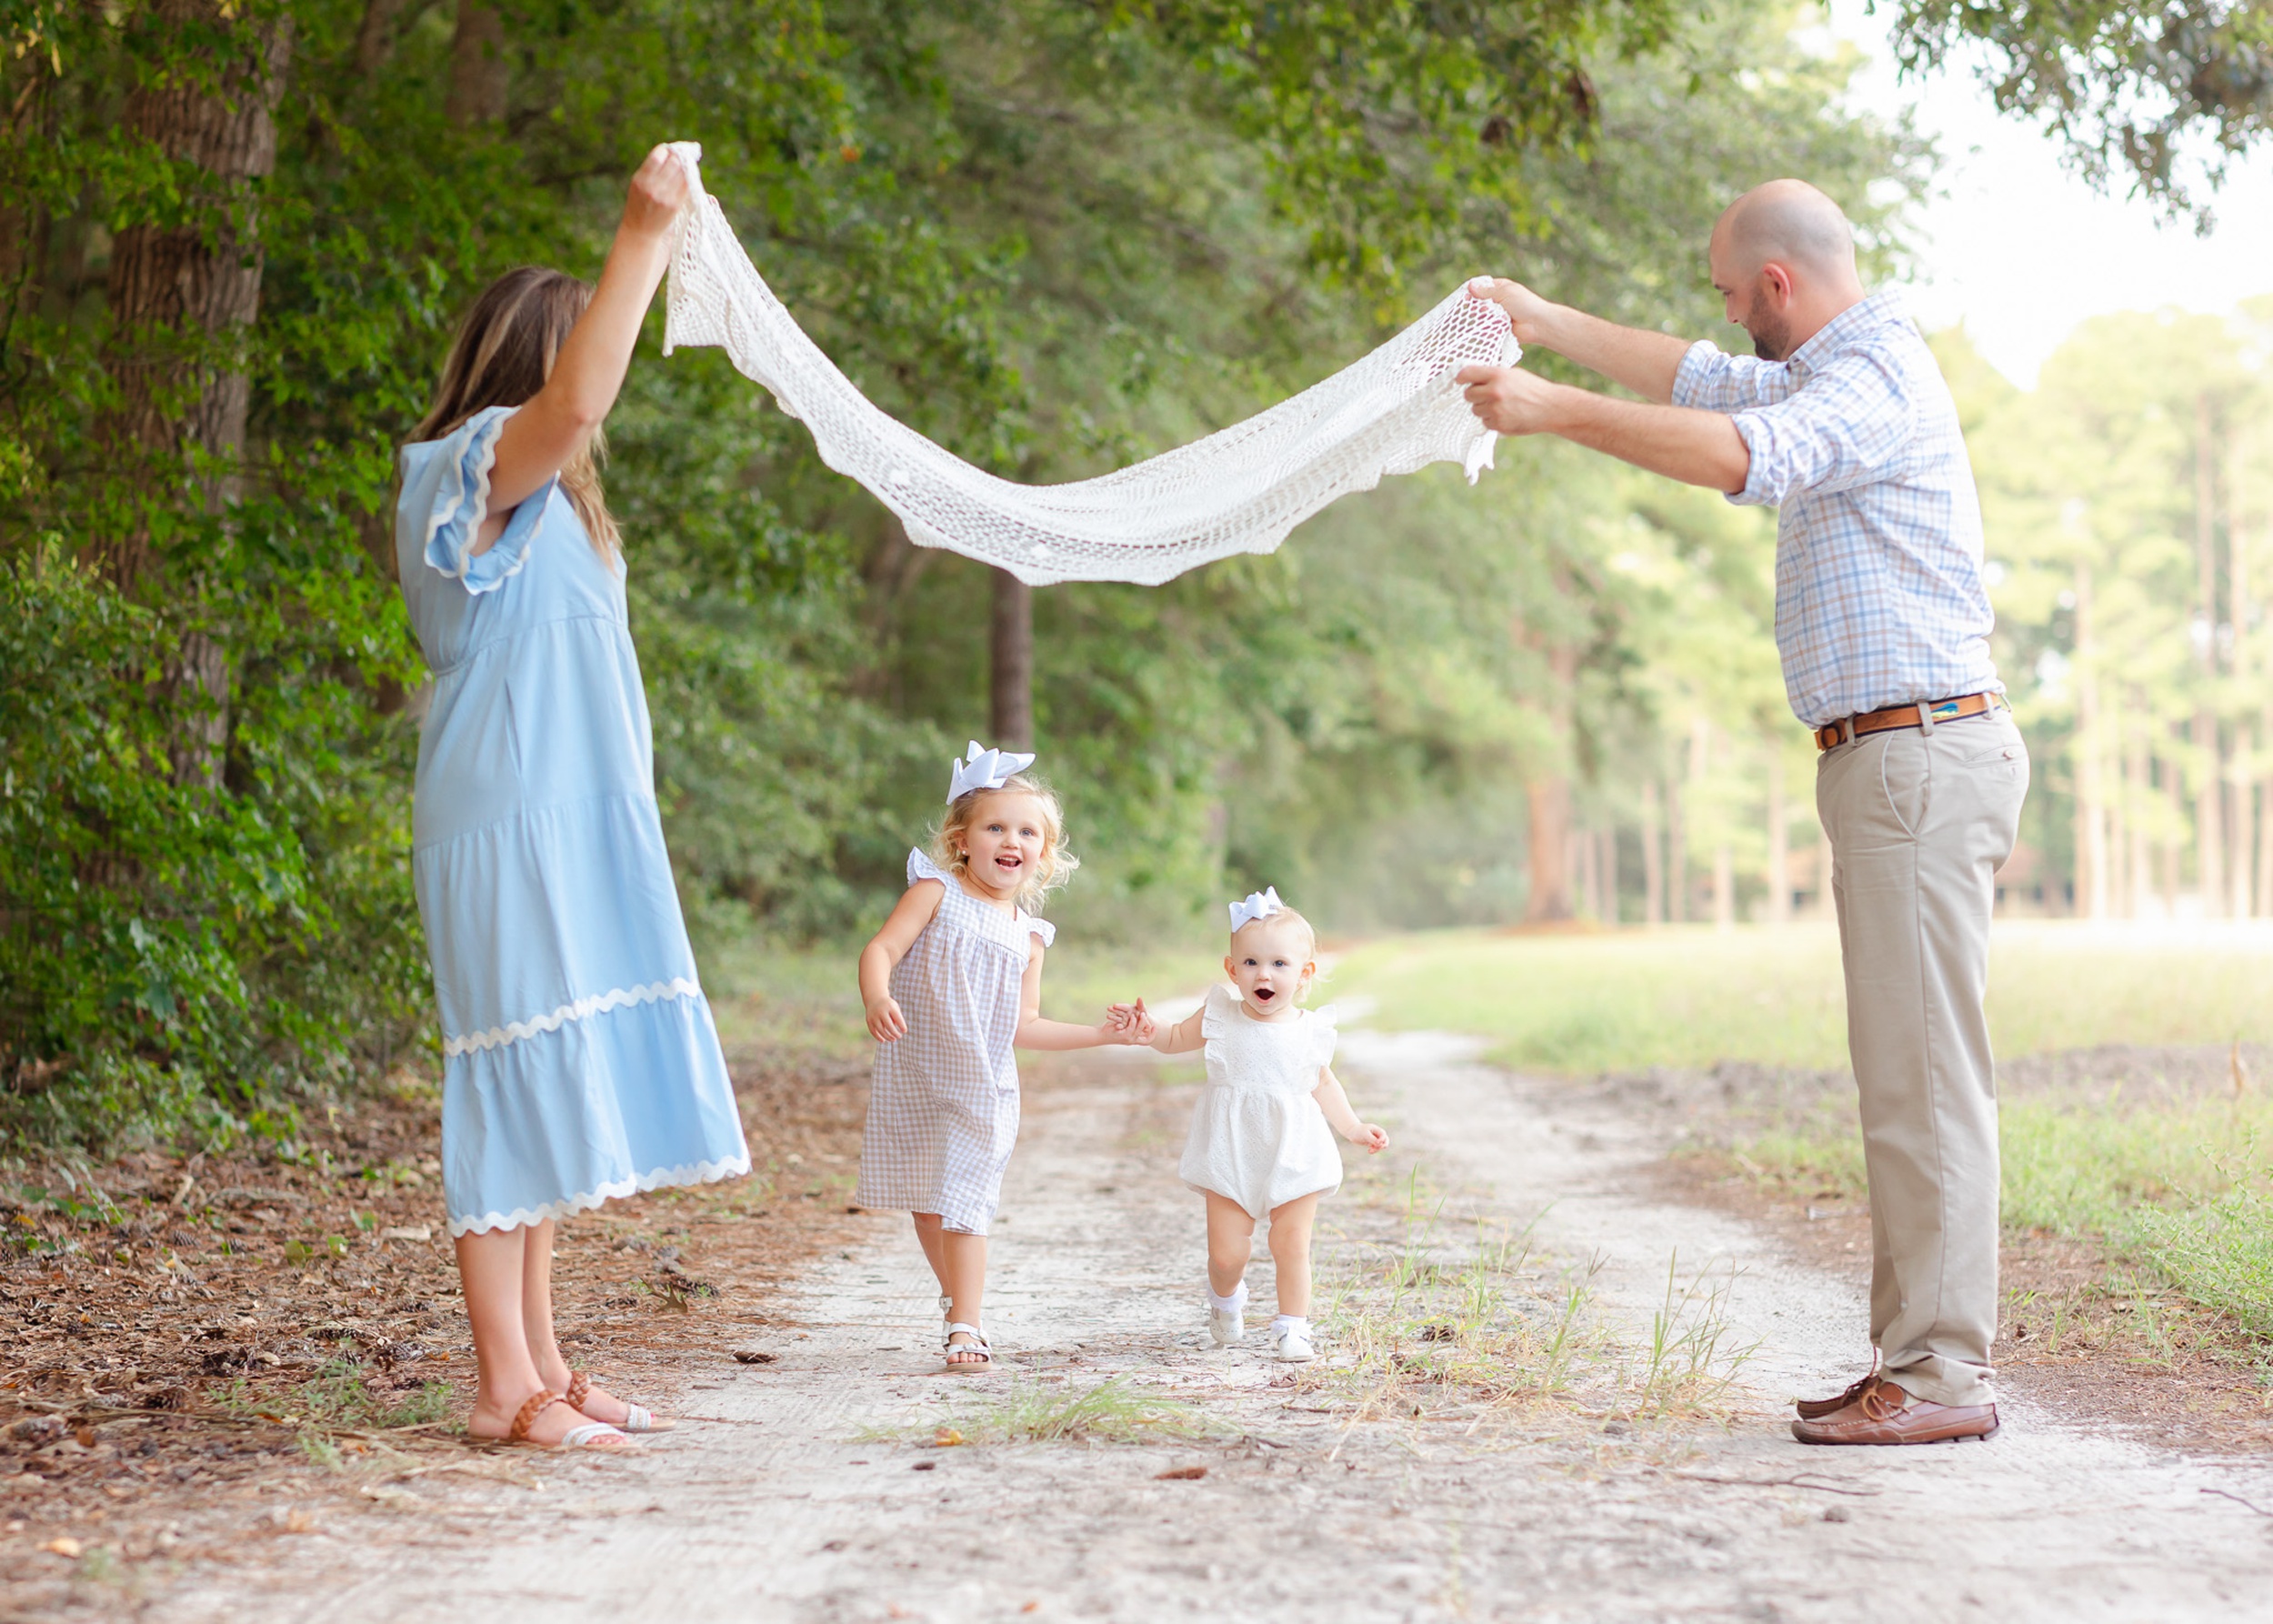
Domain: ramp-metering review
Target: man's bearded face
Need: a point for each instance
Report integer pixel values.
(1770, 328)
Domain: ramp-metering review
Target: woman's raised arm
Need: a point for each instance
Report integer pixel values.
(560, 418)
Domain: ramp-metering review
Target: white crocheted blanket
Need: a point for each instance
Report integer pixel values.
(1239, 490)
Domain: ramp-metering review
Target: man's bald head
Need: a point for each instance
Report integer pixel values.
(1791, 223)
(1783, 257)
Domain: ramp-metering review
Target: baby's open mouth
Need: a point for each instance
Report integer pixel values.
(1264, 995)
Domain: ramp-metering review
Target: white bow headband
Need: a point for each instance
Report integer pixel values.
(1259, 905)
(987, 769)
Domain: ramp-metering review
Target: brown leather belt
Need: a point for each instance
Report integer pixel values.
(1836, 734)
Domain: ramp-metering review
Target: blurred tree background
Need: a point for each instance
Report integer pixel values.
(1056, 235)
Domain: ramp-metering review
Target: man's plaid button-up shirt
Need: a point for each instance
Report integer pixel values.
(1879, 598)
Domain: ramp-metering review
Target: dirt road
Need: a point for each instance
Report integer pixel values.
(804, 1490)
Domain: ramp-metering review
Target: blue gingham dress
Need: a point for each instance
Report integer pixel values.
(579, 1060)
(944, 1111)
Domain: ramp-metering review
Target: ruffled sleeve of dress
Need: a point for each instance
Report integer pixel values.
(1041, 927)
(1320, 1027)
(446, 494)
(1215, 1012)
(921, 866)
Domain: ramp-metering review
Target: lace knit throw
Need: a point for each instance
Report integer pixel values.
(1240, 490)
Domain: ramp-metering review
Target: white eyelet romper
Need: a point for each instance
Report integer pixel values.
(943, 1115)
(1257, 1136)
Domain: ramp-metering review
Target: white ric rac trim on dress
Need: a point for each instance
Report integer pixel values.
(678, 987)
(701, 1172)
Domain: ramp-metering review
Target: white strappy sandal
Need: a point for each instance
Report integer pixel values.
(977, 1344)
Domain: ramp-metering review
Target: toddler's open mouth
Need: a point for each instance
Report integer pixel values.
(1264, 995)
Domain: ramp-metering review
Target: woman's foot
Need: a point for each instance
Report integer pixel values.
(967, 1349)
(544, 1419)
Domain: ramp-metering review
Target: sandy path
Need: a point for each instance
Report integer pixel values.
(782, 1503)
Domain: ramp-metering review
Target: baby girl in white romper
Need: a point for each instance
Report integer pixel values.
(952, 983)
(1262, 1138)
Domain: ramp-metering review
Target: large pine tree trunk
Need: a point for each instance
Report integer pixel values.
(2209, 833)
(2091, 812)
(478, 82)
(1548, 797)
(1653, 858)
(182, 294)
(1011, 661)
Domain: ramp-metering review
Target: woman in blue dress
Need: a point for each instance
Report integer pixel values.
(580, 1062)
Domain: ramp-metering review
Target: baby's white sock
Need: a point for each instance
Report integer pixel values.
(1233, 1304)
(1283, 1323)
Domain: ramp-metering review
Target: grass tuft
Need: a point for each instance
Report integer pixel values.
(1039, 1412)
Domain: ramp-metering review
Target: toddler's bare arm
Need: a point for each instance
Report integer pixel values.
(1341, 1118)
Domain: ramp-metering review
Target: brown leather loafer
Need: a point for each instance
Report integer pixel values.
(1813, 1409)
(1886, 1414)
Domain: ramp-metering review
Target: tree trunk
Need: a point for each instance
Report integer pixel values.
(1011, 690)
(2174, 802)
(1778, 910)
(477, 66)
(2091, 810)
(375, 40)
(2209, 835)
(1652, 859)
(1549, 800)
(1724, 887)
(1677, 853)
(2138, 878)
(2241, 801)
(181, 296)
(1605, 869)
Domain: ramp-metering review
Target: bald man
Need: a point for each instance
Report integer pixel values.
(1844, 423)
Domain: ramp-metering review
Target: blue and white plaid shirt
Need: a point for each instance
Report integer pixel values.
(1879, 599)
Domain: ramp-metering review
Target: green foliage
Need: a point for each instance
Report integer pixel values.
(1052, 234)
(2140, 93)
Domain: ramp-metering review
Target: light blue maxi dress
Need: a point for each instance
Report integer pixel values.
(580, 1062)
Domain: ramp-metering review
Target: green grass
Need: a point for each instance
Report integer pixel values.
(2179, 1187)
(1460, 1319)
(1690, 996)
(1043, 1413)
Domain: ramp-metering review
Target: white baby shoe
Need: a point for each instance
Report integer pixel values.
(1226, 1325)
(1290, 1341)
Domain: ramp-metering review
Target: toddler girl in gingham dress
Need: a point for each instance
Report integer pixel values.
(952, 983)
(1262, 1137)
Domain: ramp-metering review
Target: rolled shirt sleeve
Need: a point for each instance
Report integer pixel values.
(1881, 592)
(1841, 432)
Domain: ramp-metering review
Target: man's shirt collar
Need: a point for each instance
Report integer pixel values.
(1881, 309)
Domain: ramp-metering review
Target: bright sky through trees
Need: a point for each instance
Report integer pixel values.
(2020, 249)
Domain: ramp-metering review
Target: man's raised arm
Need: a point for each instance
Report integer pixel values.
(1643, 362)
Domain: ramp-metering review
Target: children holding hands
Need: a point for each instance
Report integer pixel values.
(952, 985)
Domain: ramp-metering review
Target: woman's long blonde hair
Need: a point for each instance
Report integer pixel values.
(503, 353)
(1058, 864)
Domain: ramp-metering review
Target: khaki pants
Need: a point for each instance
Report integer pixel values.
(1919, 824)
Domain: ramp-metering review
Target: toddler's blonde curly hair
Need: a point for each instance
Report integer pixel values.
(1058, 864)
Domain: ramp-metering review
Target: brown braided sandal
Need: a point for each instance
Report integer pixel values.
(637, 1418)
(588, 1437)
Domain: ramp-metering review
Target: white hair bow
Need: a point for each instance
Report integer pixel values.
(987, 769)
(1259, 905)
